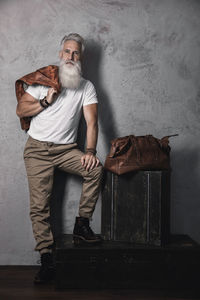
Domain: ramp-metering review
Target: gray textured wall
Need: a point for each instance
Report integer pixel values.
(143, 57)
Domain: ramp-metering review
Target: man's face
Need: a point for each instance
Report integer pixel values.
(71, 51)
(70, 65)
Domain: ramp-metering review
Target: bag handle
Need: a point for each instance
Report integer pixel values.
(115, 146)
(112, 151)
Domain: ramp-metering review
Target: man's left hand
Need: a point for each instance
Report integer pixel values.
(89, 161)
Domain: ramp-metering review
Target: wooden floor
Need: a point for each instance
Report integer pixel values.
(16, 284)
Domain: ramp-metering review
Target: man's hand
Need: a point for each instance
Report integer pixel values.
(89, 161)
(28, 106)
(51, 95)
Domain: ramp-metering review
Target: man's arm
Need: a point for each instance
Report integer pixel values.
(28, 106)
(89, 160)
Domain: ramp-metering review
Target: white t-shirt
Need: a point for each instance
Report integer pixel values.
(59, 122)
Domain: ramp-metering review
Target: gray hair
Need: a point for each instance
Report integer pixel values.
(74, 37)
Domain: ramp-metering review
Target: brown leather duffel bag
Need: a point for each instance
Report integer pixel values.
(133, 153)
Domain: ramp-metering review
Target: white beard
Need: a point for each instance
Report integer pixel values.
(70, 75)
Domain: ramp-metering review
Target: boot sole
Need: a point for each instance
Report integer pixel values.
(44, 281)
(78, 240)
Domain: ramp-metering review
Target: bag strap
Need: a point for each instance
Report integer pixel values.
(171, 135)
(165, 140)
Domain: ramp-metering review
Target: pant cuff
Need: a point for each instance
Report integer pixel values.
(85, 215)
(45, 250)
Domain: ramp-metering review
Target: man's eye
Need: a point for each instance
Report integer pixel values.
(76, 53)
(67, 51)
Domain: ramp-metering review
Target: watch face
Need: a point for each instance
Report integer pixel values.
(45, 100)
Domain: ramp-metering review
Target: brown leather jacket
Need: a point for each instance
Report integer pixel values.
(47, 76)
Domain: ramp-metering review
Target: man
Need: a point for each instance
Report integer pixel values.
(55, 115)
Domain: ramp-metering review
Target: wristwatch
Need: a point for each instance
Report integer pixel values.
(44, 103)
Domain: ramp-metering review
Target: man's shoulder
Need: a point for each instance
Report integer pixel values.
(86, 84)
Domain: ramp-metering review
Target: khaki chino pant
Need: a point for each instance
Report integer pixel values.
(41, 159)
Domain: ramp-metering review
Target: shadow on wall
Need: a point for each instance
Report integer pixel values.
(185, 186)
(91, 70)
(92, 61)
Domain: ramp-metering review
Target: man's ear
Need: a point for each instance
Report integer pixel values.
(60, 54)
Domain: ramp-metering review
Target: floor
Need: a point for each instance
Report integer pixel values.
(16, 284)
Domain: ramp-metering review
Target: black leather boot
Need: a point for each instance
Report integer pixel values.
(47, 269)
(82, 232)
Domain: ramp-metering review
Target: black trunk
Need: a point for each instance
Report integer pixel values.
(135, 207)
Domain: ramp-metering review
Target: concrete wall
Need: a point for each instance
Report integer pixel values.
(144, 59)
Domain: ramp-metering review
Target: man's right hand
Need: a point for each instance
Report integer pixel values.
(51, 95)
(28, 106)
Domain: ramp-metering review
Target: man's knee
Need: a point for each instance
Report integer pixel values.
(97, 172)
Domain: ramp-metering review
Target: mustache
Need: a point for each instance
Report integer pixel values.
(77, 64)
(70, 61)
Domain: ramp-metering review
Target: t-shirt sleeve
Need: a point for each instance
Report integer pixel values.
(90, 96)
(35, 90)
